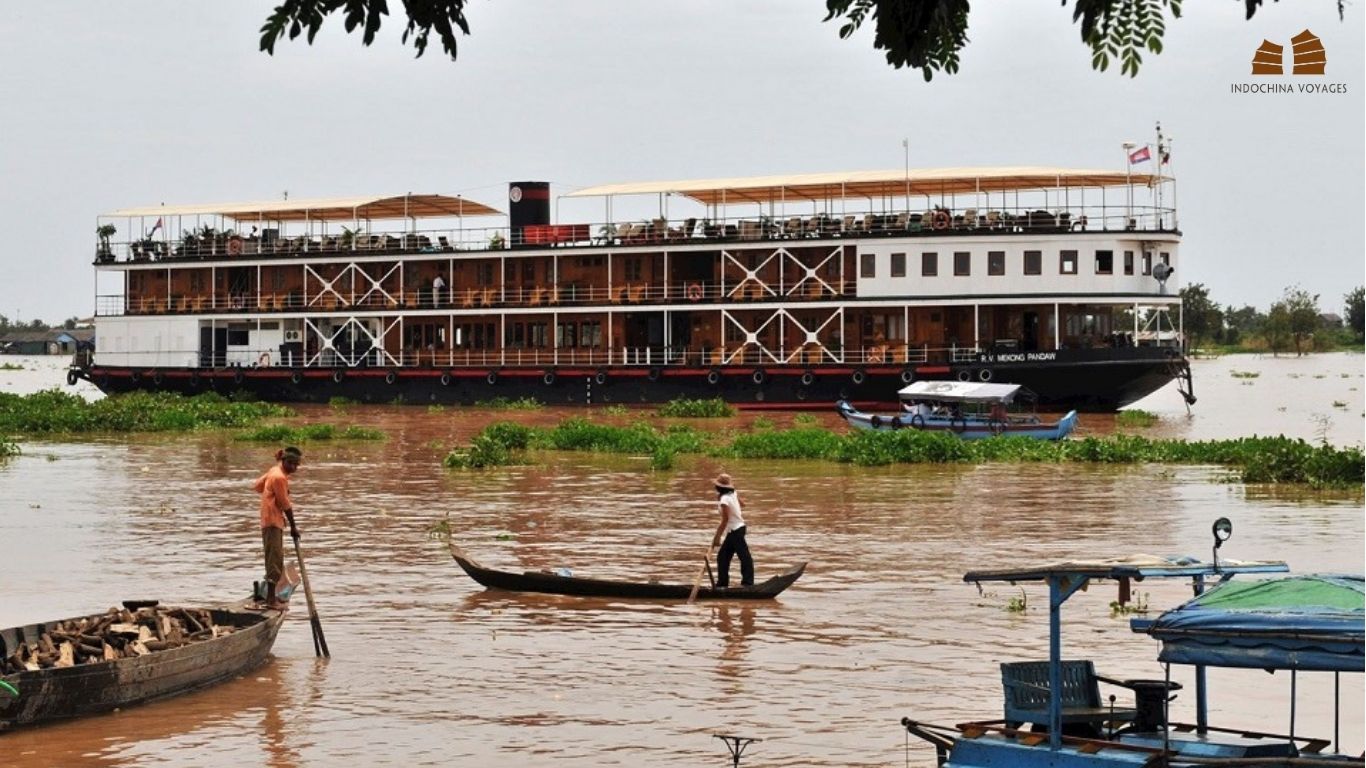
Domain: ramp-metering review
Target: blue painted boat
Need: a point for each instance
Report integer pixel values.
(1296, 624)
(970, 410)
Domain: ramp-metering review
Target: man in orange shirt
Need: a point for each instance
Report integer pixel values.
(276, 510)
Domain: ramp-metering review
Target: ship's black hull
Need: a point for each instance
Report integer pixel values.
(1089, 380)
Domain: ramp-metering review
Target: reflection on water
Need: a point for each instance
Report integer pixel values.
(429, 669)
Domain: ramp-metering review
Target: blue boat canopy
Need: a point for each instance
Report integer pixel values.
(1294, 622)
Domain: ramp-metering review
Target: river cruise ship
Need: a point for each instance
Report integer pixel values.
(780, 291)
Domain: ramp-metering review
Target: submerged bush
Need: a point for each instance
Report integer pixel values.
(501, 403)
(1135, 418)
(55, 411)
(683, 408)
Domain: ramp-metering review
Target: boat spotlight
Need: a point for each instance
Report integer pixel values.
(1222, 530)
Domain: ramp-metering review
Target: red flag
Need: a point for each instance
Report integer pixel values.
(1140, 155)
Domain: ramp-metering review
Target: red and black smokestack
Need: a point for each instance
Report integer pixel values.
(528, 205)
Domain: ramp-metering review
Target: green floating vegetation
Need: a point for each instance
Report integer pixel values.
(1244, 374)
(11, 367)
(55, 411)
(1259, 459)
(8, 448)
(1135, 418)
(683, 408)
(501, 403)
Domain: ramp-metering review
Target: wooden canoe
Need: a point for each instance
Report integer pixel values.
(555, 584)
(86, 689)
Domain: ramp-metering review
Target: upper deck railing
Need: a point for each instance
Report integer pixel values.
(659, 233)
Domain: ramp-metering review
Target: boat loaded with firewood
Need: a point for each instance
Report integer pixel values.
(774, 291)
(142, 652)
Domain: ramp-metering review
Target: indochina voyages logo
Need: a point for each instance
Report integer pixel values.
(1307, 58)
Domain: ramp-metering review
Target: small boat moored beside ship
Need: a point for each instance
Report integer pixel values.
(967, 409)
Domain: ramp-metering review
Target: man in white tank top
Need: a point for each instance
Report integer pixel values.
(732, 528)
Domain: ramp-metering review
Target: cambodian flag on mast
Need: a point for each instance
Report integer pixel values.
(1140, 155)
(155, 227)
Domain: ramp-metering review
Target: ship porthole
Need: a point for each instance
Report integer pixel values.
(713, 377)
(296, 377)
(965, 375)
(807, 378)
(859, 376)
(548, 378)
(445, 379)
(390, 377)
(907, 376)
(758, 376)
(338, 376)
(492, 378)
(984, 374)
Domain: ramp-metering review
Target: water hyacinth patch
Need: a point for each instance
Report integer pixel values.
(8, 448)
(54, 411)
(282, 433)
(1135, 417)
(683, 408)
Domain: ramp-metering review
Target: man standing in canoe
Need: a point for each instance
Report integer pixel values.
(276, 508)
(732, 527)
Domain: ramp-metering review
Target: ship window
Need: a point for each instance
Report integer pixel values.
(528, 270)
(196, 282)
(1033, 262)
(565, 336)
(486, 273)
(898, 265)
(633, 268)
(590, 334)
(238, 337)
(1105, 262)
(962, 263)
(867, 265)
(536, 336)
(996, 262)
(1147, 262)
(1128, 262)
(1067, 262)
(1166, 258)
(929, 264)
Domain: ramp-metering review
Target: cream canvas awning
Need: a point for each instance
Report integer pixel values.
(873, 184)
(325, 209)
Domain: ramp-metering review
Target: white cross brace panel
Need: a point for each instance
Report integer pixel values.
(808, 336)
(750, 274)
(328, 341)
(811, 272)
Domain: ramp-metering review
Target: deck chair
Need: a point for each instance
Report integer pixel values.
(468, 301)
(813, 227)
(444, 243)
(848, 225)
(1025, 686)
(970, 218)
(993, 219)
(793, 227)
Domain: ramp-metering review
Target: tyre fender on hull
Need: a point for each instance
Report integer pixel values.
(390, 377)
(445, 379)
(492, 377)
(713, 377)
(71, 378)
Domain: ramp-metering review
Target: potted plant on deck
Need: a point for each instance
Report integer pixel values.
(104, 253)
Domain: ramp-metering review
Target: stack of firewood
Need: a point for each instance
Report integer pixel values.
(115, 634)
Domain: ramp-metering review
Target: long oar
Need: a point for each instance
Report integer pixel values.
(319, 642)
(697, 582)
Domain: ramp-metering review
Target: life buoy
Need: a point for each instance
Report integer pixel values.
(296, 378)
(600, 378)
(984, 374)
(694, 291)
(808, 378)
(234, 246)
(918, 421)
(940, 219)
(390, 377)
(445, 379)
(858, 376)
(338, 376)
(655, 373)
(759, 376)
(492, 377)
(907, 376)
(548, 378)
(965, 375)
(875, 420)
(71, 378)
(263, 361)
(713, 377)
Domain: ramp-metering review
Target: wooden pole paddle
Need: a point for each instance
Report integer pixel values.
(697, 582)
(319, 641)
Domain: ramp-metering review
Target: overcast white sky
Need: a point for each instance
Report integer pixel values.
(112, 105)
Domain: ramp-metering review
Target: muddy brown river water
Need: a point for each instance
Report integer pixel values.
(429, 669)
